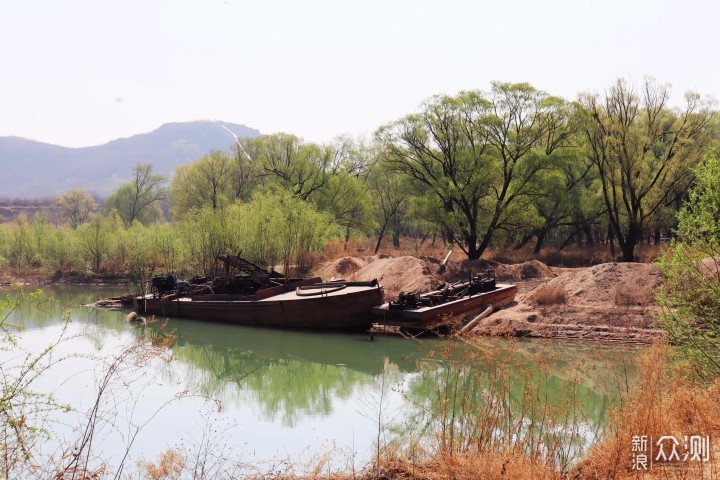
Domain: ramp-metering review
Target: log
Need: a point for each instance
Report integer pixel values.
(476, 320)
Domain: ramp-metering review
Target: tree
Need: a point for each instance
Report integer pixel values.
(390, 194)
(285, 160)
(245, 171)
(643, 152)
(345, 195)
(691, 298)
(478, 155)
(76, 206)
(206, 182)
(138, 200)
(95, 241)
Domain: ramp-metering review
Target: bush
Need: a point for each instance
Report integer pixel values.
(550, 295)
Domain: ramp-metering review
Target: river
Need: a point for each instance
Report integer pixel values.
(270, 396)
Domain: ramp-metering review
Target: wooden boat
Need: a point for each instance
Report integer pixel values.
(450, 305)
(266, 299)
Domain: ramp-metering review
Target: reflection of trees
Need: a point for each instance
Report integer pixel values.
(492, 390)
(60, 300)
(289, 374)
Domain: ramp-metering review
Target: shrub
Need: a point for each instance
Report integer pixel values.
(550, 294)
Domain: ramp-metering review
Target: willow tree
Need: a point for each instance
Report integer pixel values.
(478, 156)
(76, 206)
(205, 183)
(287, 162)
(139, 199)
(643, 152)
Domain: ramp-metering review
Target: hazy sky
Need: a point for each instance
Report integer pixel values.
(83, 72)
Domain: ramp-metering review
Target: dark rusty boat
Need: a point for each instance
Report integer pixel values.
(451, 305)
(257, 297)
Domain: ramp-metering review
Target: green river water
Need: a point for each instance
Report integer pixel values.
(267, 396)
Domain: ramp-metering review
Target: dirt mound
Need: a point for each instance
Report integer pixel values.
(611, 302)
(341, 268)
(710, 267)
(518, 271)
(408, 274)
(607, 284)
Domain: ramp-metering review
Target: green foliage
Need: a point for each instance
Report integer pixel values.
(691, 299)
(76, 206)
(281, 228)
(289, 164)
(139, 199)
(23, 411)
(207, 182)
(478, 155)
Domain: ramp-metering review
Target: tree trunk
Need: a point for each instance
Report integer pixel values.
(380, 237)
(523, 242)
(589, 240)
(633, 237)
(628, 251)
(568, 240)
(539, 243)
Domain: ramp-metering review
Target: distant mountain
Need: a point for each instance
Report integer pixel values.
(30, 169)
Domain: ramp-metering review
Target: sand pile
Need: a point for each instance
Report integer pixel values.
(519, 271)
(407, 274)
(605, 285)
(503, 272)
(341, 268)
(396, 274)
(611, 301)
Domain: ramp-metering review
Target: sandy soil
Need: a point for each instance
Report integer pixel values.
(612, 302)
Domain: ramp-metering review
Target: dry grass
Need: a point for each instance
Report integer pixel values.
(665, 402)
(632, 295)
(550, 295)
(483, 466)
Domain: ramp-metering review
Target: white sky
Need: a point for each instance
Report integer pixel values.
(83, 72)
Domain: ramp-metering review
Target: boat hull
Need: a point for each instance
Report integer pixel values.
(428, 318)
(347, 309)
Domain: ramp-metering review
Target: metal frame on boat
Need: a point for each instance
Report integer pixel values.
(451, 305)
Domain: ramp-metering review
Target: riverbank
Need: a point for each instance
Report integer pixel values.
(612, 302)
(34, 277)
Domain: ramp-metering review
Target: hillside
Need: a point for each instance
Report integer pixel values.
(33, 169)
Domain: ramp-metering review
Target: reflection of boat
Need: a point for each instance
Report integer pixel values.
(447, 305)
(268, 299)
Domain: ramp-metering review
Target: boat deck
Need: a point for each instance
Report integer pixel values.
(317, 292)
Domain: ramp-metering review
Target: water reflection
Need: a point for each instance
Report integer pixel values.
(290, 374)
(287, 380)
